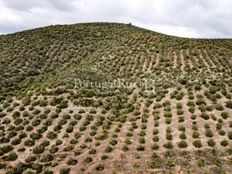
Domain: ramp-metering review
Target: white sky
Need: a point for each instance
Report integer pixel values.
(187, 18)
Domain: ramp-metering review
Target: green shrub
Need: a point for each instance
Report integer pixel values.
(209, 133)
(219, 126)
(51, 135)
(229, 104)
(222, 132)
(68, 148)
(2, 165)
(12, 156)
(104, 157)
(22, 149)
(224, 143)
(205, 116)
(47, 172)
(30, 159)
(18, 168)
(209, 107)
(108, 149)
(155, 146)
(88, 160)
(99, 167)
(193, 117)
(16, 141)
(6, 148)
(77, 116)
(201, 163)
(69, 129)
(72, 161)
(77, 152)
(140, 148)
(36, 136)
(169, 136)
(38, 149)
(37, 167)
(35, 122)
(219, 107)
(197, 143)
(225, 115)
(168, 114)
(43, 103)
(168, 120)
(180, 112)
(211, 142)
(47, 158)
(125, 148)
(168, 145)
(29, 142)
(92, 151)
(26, 101)
(181, 128)
(155, 138)
(181, 119)
(113, 142)
(182, 144)
(192, 109)
(16, 114)
(230, 135)
(142, 140)
(183, 136)
(53, 149)
(64, 170)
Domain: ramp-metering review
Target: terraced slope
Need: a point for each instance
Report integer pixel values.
(175, 117)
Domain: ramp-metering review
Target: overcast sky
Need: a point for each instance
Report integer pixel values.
(188, 18)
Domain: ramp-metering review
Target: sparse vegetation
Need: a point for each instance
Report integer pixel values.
(50, 123)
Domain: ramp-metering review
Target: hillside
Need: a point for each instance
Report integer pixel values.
(176, 117)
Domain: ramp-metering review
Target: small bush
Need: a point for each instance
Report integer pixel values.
(181, 128)
(92, 151)
(169, 136)
(230, 135)
(197, 143)
(205, 116)
(222, 132)
(140, 148)
(219, 107)
(168, 145)
(6, 148)
(209, 133)
(51, 135)
(182, 144)
(219, 126)
(53, 149)
(64, 171)
(108, 149)
(125, 148)
(26, 101)
(225, 115)
(183, 136)
(38, 149)
(224, 143)
(47, 158)
(104, 157)
(180, 112)
(88, 160)
(11, 156)
(211, 142)
(99, 167)
(72, 161)
(229, 104)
